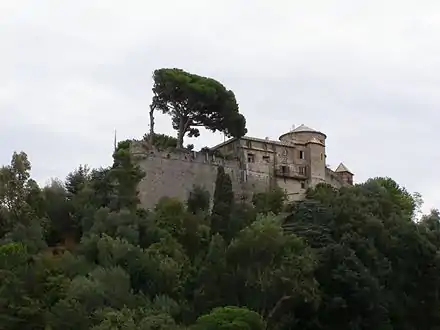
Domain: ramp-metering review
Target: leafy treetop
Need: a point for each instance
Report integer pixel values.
(194, 101)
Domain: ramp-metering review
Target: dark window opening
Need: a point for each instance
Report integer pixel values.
(303, 185)
(301, 154)
(251, 158)
(266, 159)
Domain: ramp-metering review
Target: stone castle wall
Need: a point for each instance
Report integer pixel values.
(174, 173)
(333, 179)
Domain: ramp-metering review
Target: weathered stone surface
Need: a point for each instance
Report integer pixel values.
(294, 164)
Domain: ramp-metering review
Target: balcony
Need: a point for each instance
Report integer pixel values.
(297, 172)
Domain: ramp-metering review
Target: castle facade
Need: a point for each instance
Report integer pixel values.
(294, 163)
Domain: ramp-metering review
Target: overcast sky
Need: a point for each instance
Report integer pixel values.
(367, 73)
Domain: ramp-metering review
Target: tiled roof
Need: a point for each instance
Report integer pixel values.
(342, 168)
(303, 128)
(280, 143)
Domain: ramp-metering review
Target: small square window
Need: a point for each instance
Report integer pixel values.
(251, 158)
(266, 159)
(303, 185)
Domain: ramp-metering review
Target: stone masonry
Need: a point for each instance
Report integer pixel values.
(295, 162)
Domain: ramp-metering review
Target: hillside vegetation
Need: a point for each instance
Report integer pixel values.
(80, 254)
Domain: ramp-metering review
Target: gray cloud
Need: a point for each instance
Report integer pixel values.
(366, 74)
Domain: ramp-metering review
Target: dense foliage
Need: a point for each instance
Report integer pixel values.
(80, 254)
(194, 101)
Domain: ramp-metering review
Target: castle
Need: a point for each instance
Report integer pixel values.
(295, 162)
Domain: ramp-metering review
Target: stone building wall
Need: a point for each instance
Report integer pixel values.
(174, 174)
(333, 178)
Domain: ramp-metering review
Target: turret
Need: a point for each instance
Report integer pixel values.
(316, 160)
(344, 174)
(303, 134)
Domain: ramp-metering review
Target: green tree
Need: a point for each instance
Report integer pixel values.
(273, 269)
(102, 185)
(161, 141)
(399, 196)
(29, 285)
(194, 101)
(126, 175)
(198, 200)
(223, 203)
(230, 318)
(373, 259)
(14, 187)
(77, 180)
(59, 210)
(271, 201)
(212, 280)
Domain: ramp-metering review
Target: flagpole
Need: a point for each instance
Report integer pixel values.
(114, 142)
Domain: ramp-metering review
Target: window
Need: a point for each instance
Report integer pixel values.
(285, 152)
(249, 143)
(303, 185)
(302, 170)
(301, 154)
(266, 159)
(251, 158)
(284, 169)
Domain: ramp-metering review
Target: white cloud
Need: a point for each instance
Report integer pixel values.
(365, 73)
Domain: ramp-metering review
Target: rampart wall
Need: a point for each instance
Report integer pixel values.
(333, 179)
(174, 173)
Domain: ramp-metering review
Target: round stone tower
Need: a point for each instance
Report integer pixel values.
(303, 134)
(311, 150)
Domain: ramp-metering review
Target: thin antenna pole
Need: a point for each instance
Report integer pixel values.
(114, 142)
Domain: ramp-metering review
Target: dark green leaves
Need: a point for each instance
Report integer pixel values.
(194, 101)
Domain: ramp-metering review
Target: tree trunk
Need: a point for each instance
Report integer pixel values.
(151, 137)
(275, 309)
(180, 133)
